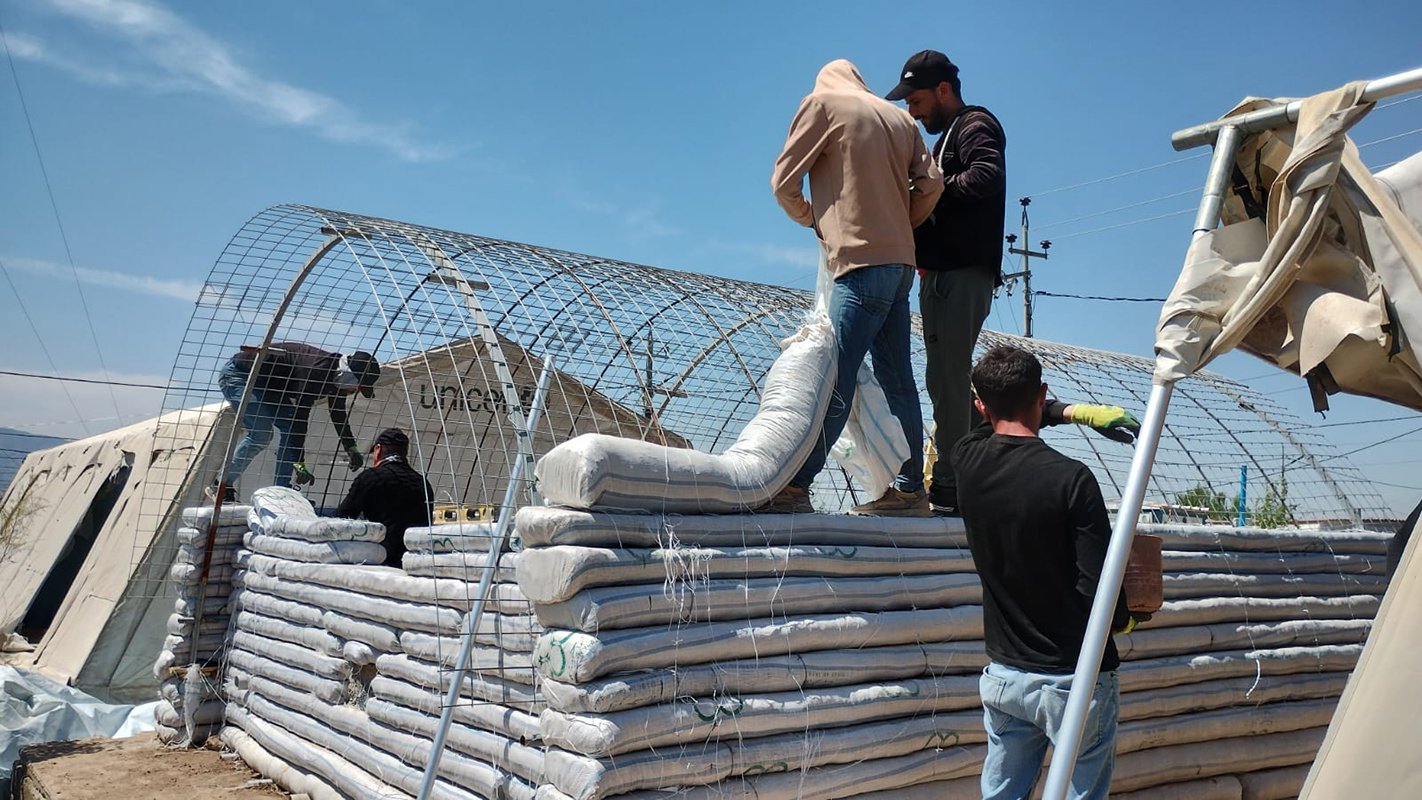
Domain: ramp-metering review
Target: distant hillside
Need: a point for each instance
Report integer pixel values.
(14, 446)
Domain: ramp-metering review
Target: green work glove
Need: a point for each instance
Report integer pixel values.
(300, 475)
(354, 456)
(1113, 422)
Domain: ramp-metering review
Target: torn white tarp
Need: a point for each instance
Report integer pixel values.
(1327, 285)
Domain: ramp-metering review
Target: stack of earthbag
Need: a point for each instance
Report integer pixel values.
(338, 666)
(189, 709)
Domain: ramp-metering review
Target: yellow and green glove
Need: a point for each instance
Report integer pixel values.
(1113, 422)
(354, 457)
(300, 475)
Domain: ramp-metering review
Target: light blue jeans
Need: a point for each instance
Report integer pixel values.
(257, 424)
(869, 310)
(1022, 712)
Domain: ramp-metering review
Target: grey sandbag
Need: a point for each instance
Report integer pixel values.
(487, 688)
(518, 725)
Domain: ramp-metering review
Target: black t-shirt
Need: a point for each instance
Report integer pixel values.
(396, 496)
(1038, 529)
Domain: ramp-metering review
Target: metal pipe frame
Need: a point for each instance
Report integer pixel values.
(1227, 135)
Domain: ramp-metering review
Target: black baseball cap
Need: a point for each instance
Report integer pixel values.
(393, 438)
(924, 70)
(366, 369)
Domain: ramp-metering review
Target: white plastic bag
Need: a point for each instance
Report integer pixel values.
(872, 446)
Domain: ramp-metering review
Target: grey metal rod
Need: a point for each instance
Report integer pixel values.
(486, 578)
(1278, 116)
(1103, 606)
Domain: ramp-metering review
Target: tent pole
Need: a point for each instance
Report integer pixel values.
(491, 563)
(1103, 606)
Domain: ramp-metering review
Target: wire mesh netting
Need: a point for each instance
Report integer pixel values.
(462, 325)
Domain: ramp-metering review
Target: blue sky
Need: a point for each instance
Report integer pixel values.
(638, 131)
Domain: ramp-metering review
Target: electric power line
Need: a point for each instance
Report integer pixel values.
(70, 379)
(43, 349)
(59, 223)
(1099, 297)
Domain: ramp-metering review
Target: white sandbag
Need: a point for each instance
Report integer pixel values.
(193, 556)
(180, 737)
(249, 599)
(323, 552)
(489, 747)
(464, 566)
(554, 574)
(272, 502)
(1224, 787)
(232, 515)
(380, 637)
(714, 717)
(1227, 636)
(170, 691)
(225, 538)
(488, 688)
(215, 601)
(444, 650)
(513, 634)
(605, 471)
(207, 644)
(761, 674)
(298, 656)
(638, 606)
(191, 575)
(544, 526)
(345, 729)
(251, 664)
(207, 714)
(1193, 698)
(390, 582)
(314, 638)
(1219, 537)
(460, 537)
(403, 614)
(578, 657)
(1275, 562)
(180, 625)
(968, 788)
(1274, 784)
(359, 653)
(1207, 584)
(1194, 668)
(325, 529)
(428, 699)
(289, 777)
(1209, 726)
(701, 764)
(1165, 765)
(378, 777)
(1211, 610)
(840, 780)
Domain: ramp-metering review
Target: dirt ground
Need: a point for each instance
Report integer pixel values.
(139, 768)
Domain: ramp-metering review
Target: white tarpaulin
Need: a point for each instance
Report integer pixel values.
(1328, 284)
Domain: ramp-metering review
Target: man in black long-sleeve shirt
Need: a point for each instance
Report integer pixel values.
(959, 248)
(392, 493)
(1038, 530)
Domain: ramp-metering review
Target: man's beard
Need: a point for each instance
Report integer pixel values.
(937, 119)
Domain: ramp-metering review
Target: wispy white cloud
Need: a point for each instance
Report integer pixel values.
(186, 291)
(163, 51)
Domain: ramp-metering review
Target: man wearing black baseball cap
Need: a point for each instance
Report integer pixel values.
(392, 493)
(292, 378)
(959, 248)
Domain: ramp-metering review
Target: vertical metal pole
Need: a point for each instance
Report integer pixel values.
(1103, 606)
(1243, 493)
(486, 578)
(1026, 274)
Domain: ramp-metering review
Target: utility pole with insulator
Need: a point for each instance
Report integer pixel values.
(1026, 273)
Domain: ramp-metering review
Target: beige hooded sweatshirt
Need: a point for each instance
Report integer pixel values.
(872, 180)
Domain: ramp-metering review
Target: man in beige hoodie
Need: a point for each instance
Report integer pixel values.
(871, 183)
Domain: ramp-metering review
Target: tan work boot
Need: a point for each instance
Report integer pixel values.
(790, 500)
(895, 503)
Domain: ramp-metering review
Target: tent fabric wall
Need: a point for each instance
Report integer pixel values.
(103, 636)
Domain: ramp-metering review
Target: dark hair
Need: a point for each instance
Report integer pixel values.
(1008, 380)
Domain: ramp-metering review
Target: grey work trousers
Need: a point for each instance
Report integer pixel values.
(953, 304)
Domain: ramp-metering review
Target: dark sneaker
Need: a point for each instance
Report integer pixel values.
(943, 500)
(229, 493)
(790, 500)
(896, 503)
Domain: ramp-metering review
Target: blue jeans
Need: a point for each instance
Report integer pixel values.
(869, 310)
(1022, 712)
(257, 424)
